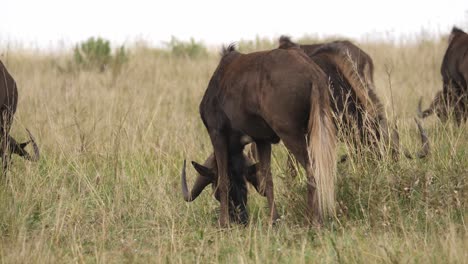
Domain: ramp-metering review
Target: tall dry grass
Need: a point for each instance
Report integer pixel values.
(107, 186)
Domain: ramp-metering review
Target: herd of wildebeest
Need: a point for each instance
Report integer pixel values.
(308, 97)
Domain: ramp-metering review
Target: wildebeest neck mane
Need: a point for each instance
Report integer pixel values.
(456, 30)
(226, 50)
(286, 43)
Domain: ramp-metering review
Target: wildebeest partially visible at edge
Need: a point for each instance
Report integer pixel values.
(453, 99)
(266, 97)
(362, 62)
(359, 114)
(8, 104)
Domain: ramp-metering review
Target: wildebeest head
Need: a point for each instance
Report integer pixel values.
(208, 174)
(19, 148)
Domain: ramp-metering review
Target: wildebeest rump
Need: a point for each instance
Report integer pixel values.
(8, 104)
(453, 99)
(270, 96)
(359, 114)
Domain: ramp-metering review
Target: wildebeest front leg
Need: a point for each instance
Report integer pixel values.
(264, 156)
(315, 215)
(221, 154)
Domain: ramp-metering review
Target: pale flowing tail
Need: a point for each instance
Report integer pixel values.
(322, 151)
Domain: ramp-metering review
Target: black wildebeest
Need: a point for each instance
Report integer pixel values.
(453, 99)
(267, 97)
(358, 111)
(8, 103)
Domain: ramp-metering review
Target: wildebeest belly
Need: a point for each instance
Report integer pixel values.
(258, 129)
(249, 123)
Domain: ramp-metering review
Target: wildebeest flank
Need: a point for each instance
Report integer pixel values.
(267, 97)
(8, 104)
(453, 99)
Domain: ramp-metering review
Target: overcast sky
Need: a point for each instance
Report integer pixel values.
(47, 23)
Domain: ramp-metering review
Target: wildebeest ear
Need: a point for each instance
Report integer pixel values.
(251, 177)
(203, 171)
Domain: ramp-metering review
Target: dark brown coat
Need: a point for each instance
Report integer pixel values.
(8, 104)
(267, 97)
(453, 99)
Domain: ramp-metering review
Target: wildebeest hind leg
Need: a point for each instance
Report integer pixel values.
(264, 156)
(296, 144)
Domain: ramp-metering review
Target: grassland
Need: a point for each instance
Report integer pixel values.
(107, 190)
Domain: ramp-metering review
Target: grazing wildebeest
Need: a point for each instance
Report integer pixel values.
(453, 99)
(267, 97)
(8, 103)
(359, 114)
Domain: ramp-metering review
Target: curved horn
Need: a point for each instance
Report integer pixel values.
(424, 140)
(200, 184)
(395, 142)
(35, 148)
(425, 149)
(19, 150)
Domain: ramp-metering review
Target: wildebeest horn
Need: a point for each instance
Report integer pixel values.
(395, 141)
(200, 183)
(35, 148)
(20, 151)
(424, 140)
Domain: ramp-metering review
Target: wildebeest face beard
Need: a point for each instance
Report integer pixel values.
(237, 202)
(241, 169)
(237, 189)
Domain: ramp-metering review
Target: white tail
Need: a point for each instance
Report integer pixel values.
(322, 150)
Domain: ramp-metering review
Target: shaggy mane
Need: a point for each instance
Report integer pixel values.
(285, 42)
(285, 38)
(226, 50)
(457, 30)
